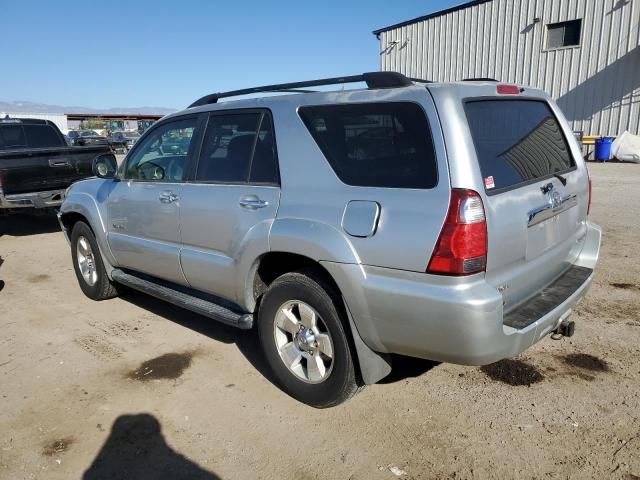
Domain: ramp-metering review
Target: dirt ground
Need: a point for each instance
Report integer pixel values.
(134, 388)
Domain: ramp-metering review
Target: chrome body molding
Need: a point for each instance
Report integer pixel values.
(556, 205)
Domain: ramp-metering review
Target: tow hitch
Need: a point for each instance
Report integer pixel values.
(566, 329)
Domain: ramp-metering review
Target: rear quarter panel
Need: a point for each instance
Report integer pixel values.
(410, 219)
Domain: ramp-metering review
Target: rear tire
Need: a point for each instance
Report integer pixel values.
(87, 263)
(305, 342)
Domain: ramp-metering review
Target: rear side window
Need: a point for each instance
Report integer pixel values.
(12, 136)
(238, 148)
(375, 144)
(42, 136)
(517, 141)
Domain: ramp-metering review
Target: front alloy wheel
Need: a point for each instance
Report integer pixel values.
(86, 261)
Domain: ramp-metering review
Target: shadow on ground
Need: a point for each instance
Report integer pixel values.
(407, 367)
(247, 340)
(24, 224)
(137, 450)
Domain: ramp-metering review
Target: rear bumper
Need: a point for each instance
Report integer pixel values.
(47, 199)
(457, 320)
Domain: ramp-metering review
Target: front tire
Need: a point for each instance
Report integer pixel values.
(305, 341)
(87, 263)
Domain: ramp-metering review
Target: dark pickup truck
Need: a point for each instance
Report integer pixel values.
(37, 165)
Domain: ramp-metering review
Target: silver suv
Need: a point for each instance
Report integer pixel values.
(441, 221)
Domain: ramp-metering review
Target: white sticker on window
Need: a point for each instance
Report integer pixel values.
(488, 182)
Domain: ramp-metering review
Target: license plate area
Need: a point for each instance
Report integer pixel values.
(550, 233)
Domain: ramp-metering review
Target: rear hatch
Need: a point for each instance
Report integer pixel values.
(536, 193)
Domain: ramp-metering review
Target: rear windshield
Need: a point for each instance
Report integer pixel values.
(517, 141)
(375, 144)
(42, 136)
(35, 136)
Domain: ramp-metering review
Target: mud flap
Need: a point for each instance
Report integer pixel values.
(374, 366)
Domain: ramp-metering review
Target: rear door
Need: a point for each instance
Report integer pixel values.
(536, 193)
(228, 207)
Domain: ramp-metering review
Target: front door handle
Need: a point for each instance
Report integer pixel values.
(59, 163)
(168, 197)
(253, 203)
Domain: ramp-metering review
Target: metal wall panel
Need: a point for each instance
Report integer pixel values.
(597, 84)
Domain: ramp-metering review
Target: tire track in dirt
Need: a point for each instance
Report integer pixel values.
(99, 346)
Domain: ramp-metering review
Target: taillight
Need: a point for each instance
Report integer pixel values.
(462, 245)
(508, 89)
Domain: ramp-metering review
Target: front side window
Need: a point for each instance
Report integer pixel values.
(238, 148)
(516, 141)
(162, 155)
(375, 144)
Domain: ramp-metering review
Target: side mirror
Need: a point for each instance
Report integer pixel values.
(105, 166)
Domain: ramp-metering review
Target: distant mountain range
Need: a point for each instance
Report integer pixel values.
(33, 107)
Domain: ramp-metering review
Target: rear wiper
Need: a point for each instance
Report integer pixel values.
(562, 179)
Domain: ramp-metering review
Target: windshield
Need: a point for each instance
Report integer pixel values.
(89, 133)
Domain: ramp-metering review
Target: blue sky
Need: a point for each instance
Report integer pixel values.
(117, 53)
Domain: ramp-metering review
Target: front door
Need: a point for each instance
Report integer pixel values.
(143, 224)
(227, 210)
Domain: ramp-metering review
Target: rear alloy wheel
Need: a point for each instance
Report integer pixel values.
(304, 340)
(87, 263)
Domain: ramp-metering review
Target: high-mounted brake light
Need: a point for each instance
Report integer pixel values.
(508, 89)
(462, 246)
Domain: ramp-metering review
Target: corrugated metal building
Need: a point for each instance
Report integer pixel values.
(585, 53)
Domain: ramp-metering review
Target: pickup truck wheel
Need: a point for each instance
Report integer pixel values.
(88, 265)
(304, 340)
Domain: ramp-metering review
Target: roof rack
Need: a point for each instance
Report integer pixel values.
(372, 79)
(480, 79)
(419, 80)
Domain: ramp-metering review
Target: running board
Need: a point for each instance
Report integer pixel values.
(197, 305)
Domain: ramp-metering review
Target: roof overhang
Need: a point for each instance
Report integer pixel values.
(439, 13)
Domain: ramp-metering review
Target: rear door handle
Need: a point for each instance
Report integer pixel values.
(168, 197)
(253, 203)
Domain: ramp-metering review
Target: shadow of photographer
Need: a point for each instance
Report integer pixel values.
(137, 450)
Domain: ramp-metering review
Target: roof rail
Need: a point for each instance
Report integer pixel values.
(372, 79)
(480, 79)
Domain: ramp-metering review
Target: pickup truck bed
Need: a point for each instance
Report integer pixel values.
(37, 177)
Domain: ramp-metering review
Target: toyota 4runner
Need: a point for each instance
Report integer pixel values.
(442, 221)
